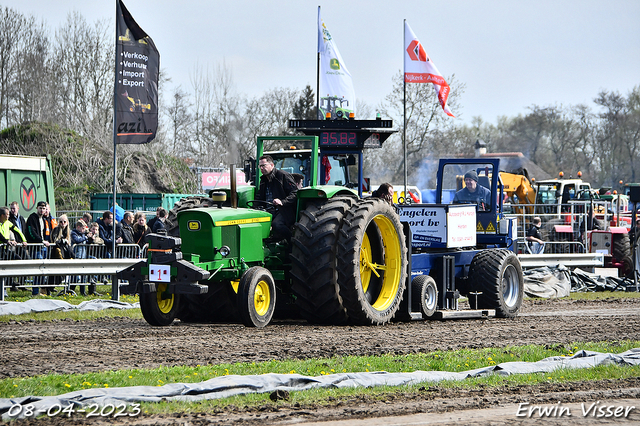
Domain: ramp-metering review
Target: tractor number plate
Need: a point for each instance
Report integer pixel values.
(160, 273)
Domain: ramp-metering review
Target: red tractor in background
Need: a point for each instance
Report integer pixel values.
(577, 220)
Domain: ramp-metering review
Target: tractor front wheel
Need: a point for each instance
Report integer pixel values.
(496, 275)
(159, 308)
(256, 297)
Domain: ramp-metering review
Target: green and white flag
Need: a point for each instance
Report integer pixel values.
(336, 94)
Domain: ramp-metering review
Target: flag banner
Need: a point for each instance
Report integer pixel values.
(419, 68)
(136, 82)
(336, 88)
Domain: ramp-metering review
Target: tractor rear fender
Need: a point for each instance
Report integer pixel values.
(618, 230)
(563, 229)
(326, 191)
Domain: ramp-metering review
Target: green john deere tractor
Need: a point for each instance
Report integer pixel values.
(346, 262)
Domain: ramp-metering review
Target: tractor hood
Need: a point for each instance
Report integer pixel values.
(202, 230)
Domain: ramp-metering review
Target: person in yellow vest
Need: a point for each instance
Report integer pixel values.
(6, 228)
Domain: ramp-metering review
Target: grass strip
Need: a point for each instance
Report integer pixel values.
(459, 360)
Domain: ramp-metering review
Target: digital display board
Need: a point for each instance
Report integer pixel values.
(339, 139)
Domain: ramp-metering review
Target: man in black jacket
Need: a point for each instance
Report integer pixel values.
(105, 225)
(14, 217)
(35, 234)
(124, 228)
(279, 188)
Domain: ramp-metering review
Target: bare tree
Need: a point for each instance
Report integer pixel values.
(216, 111)
(619, 136)
(428, 128)
(33, 100)
(180, 118)
(12, 27)
(85, 57)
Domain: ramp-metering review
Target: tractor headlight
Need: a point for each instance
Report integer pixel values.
(224, 251)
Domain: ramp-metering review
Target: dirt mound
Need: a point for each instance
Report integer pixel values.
(81, 167)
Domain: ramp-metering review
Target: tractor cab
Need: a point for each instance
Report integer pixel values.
(488, 195)
(554, 196)
(335, 169)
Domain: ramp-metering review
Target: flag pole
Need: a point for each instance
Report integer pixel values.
(318, 72)
(115, 288)
(404, 107)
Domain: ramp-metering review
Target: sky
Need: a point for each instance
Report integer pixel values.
(510, 54)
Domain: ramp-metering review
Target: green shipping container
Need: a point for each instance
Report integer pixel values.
(26, 180)
(137, 202)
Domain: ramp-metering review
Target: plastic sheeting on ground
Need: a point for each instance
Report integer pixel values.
(44, 305)
(586, 281)
(547, 282)
(225, 386)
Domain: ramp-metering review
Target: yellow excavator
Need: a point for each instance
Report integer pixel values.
(519, 190)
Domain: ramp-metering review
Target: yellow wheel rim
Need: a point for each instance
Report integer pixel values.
(164, 304)
(391, 263)
(262, 298)
(365, 262)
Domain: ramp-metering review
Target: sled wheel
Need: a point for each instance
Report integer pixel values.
(425, 295)
(497, 275)
(159, 308)
(372, 259)
(256, 297)
(313, 261)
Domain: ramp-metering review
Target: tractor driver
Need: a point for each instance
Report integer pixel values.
(472, 192)
(278, 187)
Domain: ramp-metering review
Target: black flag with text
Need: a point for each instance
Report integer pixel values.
(136, 83)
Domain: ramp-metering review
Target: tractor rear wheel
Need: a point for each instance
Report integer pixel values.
(256, 297)
(159, 308)
(313, 261)
(184, 204)
(424, 295)
(497, 275)
(372, 262)
(621, 250)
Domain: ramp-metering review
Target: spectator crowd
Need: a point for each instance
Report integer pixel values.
(42, 236)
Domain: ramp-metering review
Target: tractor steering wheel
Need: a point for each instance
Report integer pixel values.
(263, 205)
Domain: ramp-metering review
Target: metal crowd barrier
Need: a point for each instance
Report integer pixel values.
(31, 265)
(22, 252)
(570, 260)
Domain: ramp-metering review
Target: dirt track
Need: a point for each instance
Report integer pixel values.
(32, 348)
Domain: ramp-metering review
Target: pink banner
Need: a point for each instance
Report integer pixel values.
(221, 179)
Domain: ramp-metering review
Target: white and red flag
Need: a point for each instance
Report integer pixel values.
(419, 68)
